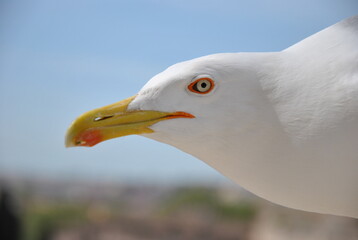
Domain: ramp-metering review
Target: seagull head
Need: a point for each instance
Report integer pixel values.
(188, 102)
(283, 125)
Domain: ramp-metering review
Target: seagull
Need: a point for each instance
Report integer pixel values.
(283, 125)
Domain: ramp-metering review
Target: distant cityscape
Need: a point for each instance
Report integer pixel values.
(65, 210)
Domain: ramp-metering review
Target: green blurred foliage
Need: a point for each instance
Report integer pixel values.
(42, 219)
(199, 198)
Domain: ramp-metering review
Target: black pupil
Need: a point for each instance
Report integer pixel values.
(203, 85)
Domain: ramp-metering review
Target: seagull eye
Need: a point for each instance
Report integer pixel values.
(201, 86)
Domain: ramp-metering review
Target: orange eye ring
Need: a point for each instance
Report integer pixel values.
(202, 85)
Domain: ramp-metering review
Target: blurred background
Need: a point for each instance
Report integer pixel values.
(61, 58)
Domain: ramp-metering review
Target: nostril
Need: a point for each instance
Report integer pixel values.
(101, 118)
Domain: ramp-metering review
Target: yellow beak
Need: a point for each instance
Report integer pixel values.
(114, 121)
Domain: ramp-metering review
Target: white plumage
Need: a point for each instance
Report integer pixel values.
(283, 125)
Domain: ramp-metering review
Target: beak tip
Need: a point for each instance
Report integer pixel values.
(69, 138)
(69, 143)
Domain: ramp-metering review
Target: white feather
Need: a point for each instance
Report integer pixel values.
(283, 125)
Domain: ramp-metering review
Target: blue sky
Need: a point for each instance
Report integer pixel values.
(61, 58)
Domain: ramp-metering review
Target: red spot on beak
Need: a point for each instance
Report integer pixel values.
(89, 138)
